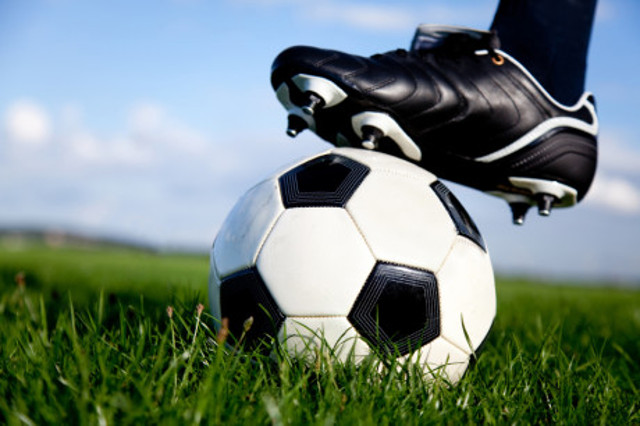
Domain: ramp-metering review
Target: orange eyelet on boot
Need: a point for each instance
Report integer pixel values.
(497, 60)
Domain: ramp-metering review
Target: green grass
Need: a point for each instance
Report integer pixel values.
(85, 338)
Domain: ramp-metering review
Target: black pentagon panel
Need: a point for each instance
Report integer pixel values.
(398, 308)
(327, 181)
(246, 302)
(465, 225)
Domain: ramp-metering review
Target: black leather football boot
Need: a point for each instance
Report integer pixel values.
(456, 105)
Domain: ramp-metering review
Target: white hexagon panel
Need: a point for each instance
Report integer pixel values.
(467, 295)
(446, 360)
(315, 261)
(246, 227)
(441, 359)
(417, 231)
(304, 335)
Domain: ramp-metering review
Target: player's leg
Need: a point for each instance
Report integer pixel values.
(551, 39)
(454, 103)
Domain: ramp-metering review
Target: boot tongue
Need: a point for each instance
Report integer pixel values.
(433, 36)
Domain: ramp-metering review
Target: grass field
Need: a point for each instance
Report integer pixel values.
(115, 336)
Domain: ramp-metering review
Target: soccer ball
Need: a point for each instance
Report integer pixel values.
(359, 250)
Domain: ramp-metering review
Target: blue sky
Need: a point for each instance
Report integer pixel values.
(148, 119)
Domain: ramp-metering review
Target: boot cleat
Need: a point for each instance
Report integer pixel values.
(319, 92)
(536, 192)
(296, 124)
(296, 117)
(313, 101)
(545, 203)
(519, 211)
(518, 203)
(385, 127)
(547, 193)
(371, 137)
(456, 105)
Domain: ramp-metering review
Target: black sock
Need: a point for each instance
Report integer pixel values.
(550, 38)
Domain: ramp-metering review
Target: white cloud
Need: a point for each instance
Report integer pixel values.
(154, 166)
(616, 155)
(615, 187)
(27, 123)
(614, 194)
(400, 16)
(151, 124)
(146, 117)
(150, 137)
(367, 16)
(96, 212)
(84, 148)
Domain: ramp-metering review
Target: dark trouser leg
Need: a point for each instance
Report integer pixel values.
(550, 38)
